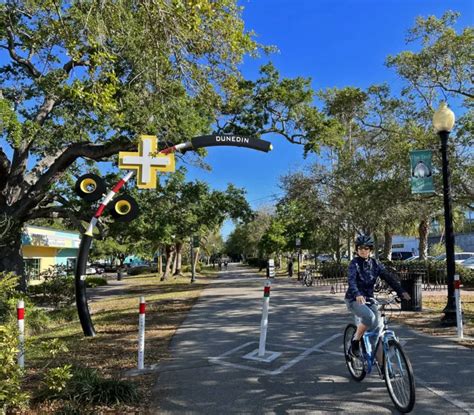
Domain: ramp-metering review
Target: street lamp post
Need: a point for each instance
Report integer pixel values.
(443, 122)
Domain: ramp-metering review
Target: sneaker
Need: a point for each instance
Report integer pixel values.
(354, 350)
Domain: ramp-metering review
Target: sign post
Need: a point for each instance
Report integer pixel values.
(271, 268)
(141, 334)
(264, 322)
(457, 296)
(20, 310)
(298, 248)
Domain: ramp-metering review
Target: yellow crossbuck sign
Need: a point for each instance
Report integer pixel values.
(147, 161)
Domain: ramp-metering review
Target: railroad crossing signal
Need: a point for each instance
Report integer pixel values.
(147, 161)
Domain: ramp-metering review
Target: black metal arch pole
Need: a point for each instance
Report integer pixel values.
(80, 284)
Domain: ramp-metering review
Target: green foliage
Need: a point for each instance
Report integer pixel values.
(92, 282)
(440, 248)
(84, 386)
(56, 290)
(245, 238)
(187, 268)
(257, 262)
(11, 389)
(8, 294)
(141, 270)
(443, 64)
(63, 315)
(56, 379)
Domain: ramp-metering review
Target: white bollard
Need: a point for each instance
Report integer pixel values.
(20, 311)
(457, 296)
(141, 334)
(264, 322)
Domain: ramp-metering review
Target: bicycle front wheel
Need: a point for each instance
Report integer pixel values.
(399, 377)
(355, 364)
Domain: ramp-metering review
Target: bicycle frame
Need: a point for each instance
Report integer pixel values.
(375, 337)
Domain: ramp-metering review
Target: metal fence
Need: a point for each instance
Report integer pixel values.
(335, 277)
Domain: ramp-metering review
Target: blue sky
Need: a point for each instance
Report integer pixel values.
(336, 43)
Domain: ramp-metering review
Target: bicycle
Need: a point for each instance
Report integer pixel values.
(308, 278)
(396, 370)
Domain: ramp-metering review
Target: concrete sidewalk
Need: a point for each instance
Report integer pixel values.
(209, 374)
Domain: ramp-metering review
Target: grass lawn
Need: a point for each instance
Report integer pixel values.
(429, 320)
(114, 350)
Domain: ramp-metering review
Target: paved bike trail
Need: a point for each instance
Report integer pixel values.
(208, 374)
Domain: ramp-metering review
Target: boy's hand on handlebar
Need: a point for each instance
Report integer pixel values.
(406, 296)
(360, 299)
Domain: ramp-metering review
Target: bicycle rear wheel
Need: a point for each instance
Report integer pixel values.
(354, 364)
(399, 377)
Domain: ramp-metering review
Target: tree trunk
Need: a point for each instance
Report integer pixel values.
(350, 242)
(387, 245)
(179, 257)
(11, 259)
(338, 245)
(160, 264)
(196, 257)
(423, 231)
(169, 261)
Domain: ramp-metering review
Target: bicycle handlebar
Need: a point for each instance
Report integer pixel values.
(383, 302)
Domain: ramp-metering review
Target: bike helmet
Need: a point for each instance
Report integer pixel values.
(364, 240)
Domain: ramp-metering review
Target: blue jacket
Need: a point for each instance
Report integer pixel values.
(363, 274)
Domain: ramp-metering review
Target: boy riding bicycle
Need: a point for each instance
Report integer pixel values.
(363, 273)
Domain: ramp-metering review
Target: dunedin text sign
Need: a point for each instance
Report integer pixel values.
(231, 140)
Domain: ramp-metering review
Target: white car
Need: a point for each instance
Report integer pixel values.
(468, 263)
(459, 257)
(417, 258)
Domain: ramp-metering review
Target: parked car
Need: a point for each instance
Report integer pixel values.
(417, 258)
(325, 258)
(99, 268)
(468, 263)
(90, 271)
(459, 257)
(401, 255)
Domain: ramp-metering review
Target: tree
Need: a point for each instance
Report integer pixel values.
(178, 210)
(442, 69)
(83, 79)
(245, 238)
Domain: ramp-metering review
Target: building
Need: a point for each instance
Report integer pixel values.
(45, 247)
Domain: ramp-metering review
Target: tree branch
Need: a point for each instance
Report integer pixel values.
(52, 212)
(45, 109)
(71, 154)
(22, 61)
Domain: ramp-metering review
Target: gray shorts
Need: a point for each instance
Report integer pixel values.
(368, 315)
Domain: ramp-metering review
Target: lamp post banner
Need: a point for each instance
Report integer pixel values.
(231, 140)
(421, 171)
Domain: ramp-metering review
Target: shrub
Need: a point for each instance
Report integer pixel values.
(8, 294)
(84, 386)
(145, 269)
(56, 291)
(257, 262)
(331, 269)
(11, 391)
(63, 315)
(92, 282)
(187, 268)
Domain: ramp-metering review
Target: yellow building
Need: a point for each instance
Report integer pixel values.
(45, 247)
